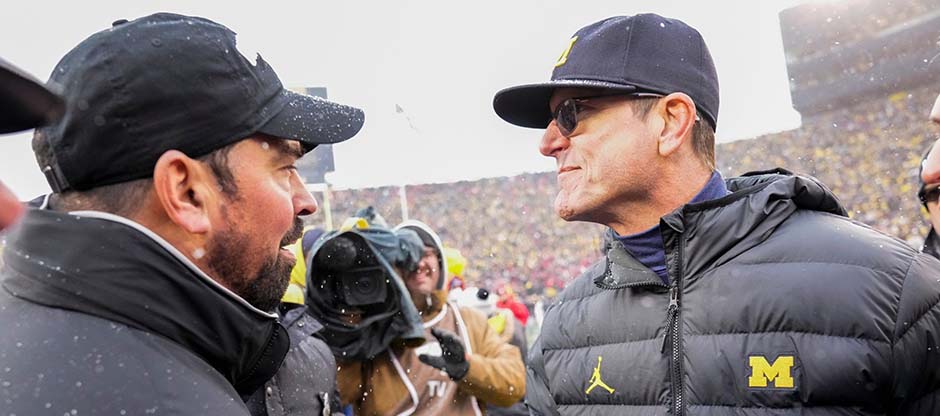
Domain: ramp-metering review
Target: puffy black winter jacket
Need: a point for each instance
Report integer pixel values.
(100, 316)
(778, 304)
(306, 382)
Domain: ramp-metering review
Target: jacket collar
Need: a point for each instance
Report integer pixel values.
(718, 230)
(622, 270)
(108, 266)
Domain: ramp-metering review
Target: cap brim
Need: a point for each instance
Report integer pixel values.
(528, 105)
(313, 120)
(24, 102)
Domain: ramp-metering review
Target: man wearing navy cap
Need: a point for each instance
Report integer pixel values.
(753, 294)
(145, 282)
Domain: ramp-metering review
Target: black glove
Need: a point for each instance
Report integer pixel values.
(453, 359)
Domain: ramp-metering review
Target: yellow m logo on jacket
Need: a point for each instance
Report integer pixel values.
(778, 373)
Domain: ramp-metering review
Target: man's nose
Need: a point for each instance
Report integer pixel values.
(304, 202)
(553, 141)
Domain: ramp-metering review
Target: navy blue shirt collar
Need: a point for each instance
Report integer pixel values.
(647, 246)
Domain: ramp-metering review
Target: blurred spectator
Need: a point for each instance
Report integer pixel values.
(508, 300)
(456, 263)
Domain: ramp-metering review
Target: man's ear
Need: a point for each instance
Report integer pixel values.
(183, 188)
(678, 112)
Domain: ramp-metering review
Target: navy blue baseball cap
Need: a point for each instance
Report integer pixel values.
(645, 53)
(165, 82)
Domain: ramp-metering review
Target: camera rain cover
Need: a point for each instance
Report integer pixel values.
(355, 292)
(364, 286)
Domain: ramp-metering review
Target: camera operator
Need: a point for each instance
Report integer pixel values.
(354, 290)
(463, 365)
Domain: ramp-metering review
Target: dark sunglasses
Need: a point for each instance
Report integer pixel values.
(929, 195)
(566, 114)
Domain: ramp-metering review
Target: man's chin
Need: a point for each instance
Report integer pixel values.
(564, 208)
(268, 287)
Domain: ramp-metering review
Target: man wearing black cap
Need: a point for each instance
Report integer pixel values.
(144, 283)
(929, 193)
(754, 294)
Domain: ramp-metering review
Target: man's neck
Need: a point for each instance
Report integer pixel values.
(671, 193)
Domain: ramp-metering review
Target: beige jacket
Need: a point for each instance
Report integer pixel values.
(496, 374)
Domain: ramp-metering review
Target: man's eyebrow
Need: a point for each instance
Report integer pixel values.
(287, 147)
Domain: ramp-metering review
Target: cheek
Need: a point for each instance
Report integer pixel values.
(934, 211)
(411, 283)
(270, 206)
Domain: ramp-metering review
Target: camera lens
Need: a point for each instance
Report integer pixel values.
(364, 286)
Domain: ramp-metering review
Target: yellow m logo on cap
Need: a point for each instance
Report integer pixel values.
(778, 373)
(564, 55)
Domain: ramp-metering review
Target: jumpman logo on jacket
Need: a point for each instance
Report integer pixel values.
(596, 379)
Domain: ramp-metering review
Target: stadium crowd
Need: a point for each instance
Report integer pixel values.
(831, 26)
(496, 223)
(867, 153)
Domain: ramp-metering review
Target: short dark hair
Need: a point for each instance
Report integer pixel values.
(703, 136)
(124, 198)
(218, 163)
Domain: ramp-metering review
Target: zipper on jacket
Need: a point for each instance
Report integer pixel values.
(676, 363)
(670, 314)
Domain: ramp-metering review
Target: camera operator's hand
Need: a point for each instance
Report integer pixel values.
(453, 359)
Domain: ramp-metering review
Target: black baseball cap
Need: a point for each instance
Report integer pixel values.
(24, 102)
(168, 81)
(645, 53)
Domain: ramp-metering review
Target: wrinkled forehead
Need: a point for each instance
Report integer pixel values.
(284, 145)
